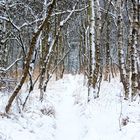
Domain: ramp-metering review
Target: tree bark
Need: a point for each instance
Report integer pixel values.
(28, 57)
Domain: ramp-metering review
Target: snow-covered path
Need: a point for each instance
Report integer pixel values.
(65, 114)
(67, 118)
(100, 117)
(68, 125)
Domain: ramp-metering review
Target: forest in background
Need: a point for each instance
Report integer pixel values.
(41, 38)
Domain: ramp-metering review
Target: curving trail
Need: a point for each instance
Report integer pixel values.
(68, 124)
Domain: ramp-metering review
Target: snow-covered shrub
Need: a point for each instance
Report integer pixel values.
(50, 111)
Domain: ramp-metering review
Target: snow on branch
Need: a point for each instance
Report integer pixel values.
(4, 18)
(68, 17)
(58, 31)
(10, 66)
(106, 11)
(69, 11)
(25, 24)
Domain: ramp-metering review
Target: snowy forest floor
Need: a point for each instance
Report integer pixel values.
(65, 114)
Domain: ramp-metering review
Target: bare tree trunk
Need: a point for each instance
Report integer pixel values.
(97, 45)
(128, 68)
(135, 29)
(107, 68)
(121, 47)
(28, 58)
(91, 19)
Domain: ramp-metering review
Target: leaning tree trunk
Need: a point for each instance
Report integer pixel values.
(28, 58)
